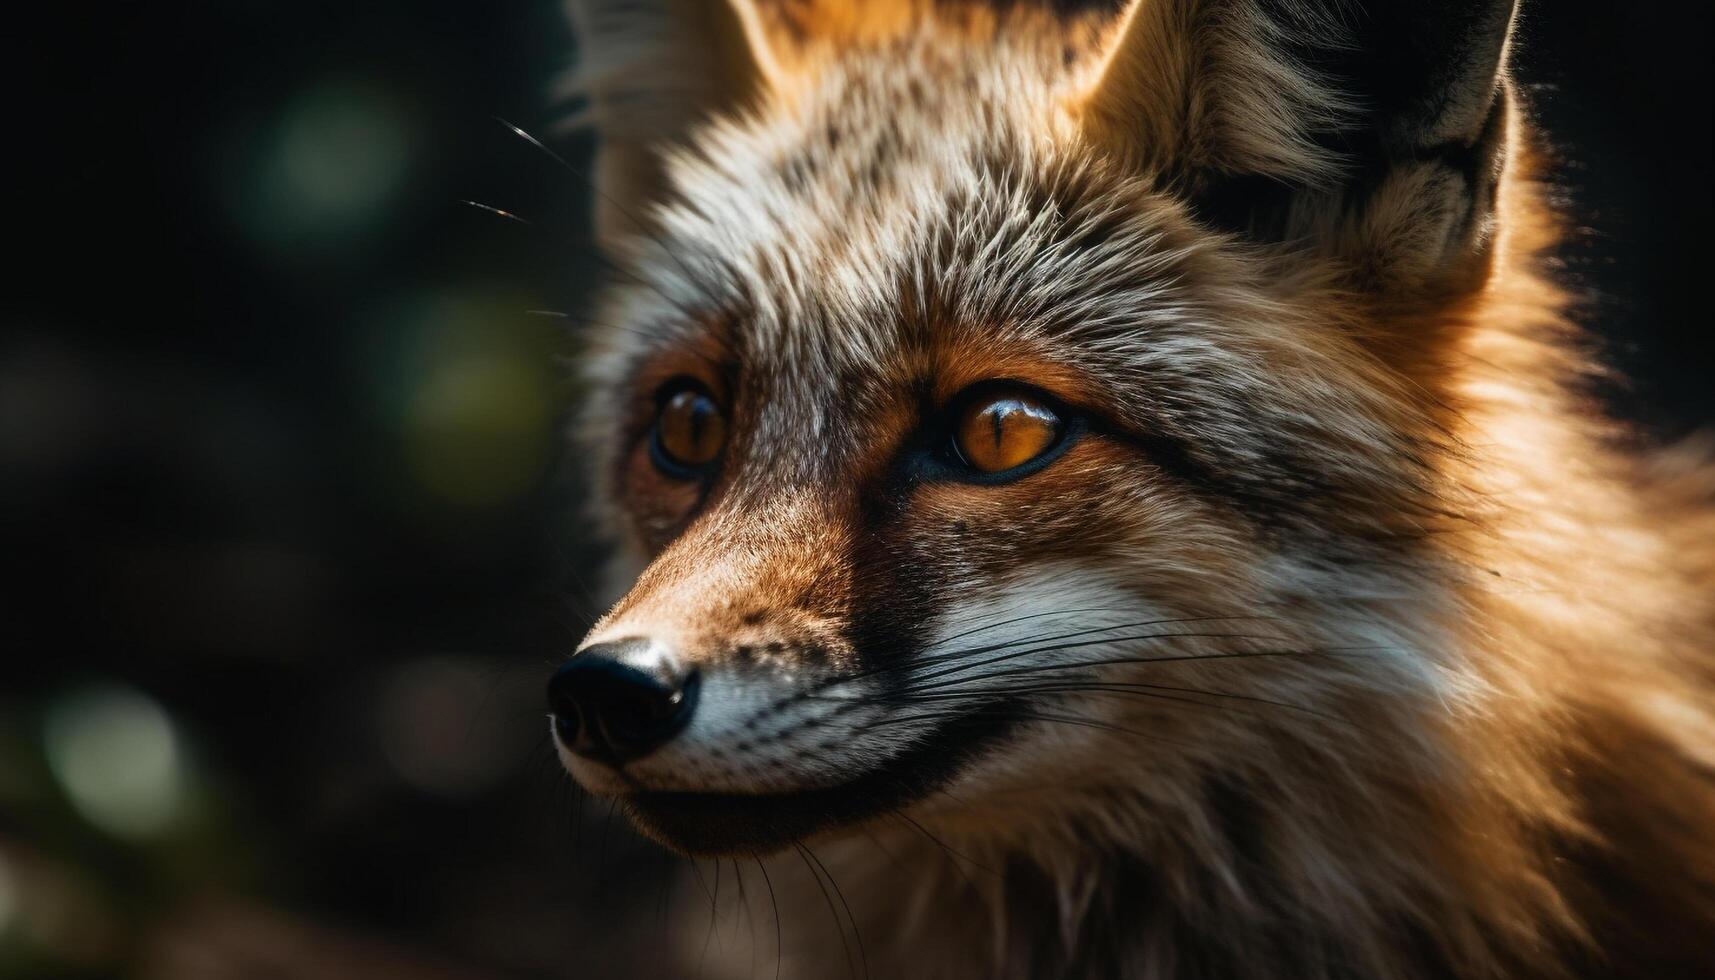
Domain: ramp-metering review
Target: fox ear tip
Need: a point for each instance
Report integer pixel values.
(1359, 93)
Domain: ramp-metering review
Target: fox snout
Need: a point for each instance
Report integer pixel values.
(653, 705)
(734, 742)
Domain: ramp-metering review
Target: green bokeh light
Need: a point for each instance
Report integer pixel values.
(464, 386)
(328, 169)
(8, 896)
(116, 755)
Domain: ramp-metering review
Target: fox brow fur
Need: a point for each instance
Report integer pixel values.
(1390, 388)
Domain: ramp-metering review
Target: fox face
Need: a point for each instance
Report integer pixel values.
(1133, 449)
(979, 426)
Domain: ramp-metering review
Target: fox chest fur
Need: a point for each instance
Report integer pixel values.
(1098, 492)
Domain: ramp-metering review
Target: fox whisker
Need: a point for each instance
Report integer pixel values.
(1179, 658)
(498, 212)
(857, 935)
(642, 226)
(1018, 647)
(1021, 714)
(1053, 647)
(1074, 686)
(774, 903)
(1083, 611)
(959, 858)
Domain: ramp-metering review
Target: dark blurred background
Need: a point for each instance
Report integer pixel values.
(292, 541)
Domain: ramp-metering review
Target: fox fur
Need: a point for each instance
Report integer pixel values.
(1348, 639)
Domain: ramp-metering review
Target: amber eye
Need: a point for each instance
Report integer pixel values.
(1001, 433)
(690, 432)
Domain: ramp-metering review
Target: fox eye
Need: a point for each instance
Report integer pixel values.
(1005, 431)
(690, 431)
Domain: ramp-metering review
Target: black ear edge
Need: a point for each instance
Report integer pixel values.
(1420, 72)
(1406, 80)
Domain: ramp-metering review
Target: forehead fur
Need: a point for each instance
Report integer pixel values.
(929, 198)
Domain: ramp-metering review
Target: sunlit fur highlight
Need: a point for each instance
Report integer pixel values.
(1500, 762)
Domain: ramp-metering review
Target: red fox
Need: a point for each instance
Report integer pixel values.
(1105, 488)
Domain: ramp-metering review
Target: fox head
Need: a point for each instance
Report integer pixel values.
(1000, 411)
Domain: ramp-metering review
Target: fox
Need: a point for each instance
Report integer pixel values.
(1110, 489)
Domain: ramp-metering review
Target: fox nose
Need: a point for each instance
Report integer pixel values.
(606, 709)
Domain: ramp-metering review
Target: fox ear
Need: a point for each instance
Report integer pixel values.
(1371, 129)
(650, 70)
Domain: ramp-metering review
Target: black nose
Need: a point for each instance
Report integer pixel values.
(608, 710)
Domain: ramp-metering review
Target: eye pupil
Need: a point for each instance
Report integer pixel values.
(690, 430)
(1005, 432)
